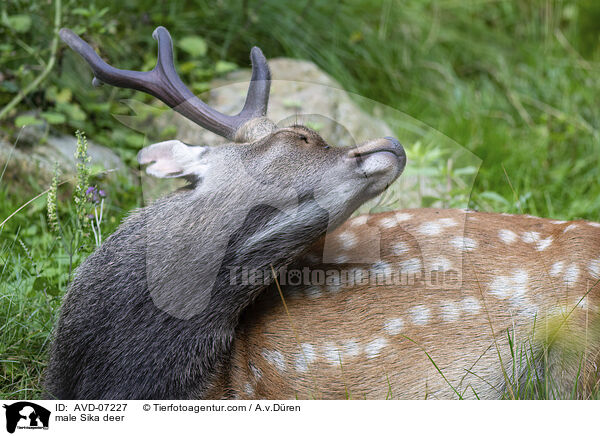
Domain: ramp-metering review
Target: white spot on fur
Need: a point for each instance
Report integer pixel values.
(447, 222)
(420, 315)
(593, 224)
(507, 236)
(431, 228)
(381, 267)
(450, 311)
(594, 268)
(256, 372)
(351, 348)
(400, 216)
(513, 286)
(571, 275)
(501, 287)
(388, 222)
(248, 389)
(530, 237)
(463, 243)
(535, 239)
(558, 222)
(544, 243)
(411, 266)
(400, 248)
(359, 221)
(441, 264)
(306, 357)
(373, 348)
(347, 240)
(557, 268)
(570, 227)
(394, 326)
(583, 303)
(275, 358)
(471, 305)
(332, 353)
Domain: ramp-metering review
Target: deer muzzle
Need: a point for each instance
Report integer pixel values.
(383, 155)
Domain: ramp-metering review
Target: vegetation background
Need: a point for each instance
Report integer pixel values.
(515, 82)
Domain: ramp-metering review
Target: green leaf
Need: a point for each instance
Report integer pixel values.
(98, 107)
(39, 284)
(19, 23)
(64, 96)
(81, 11)
(168, 132)
(28, 120)
(465, 171)
(187, 67)
(53, 117)
(223, 67)
(193, 45)
(72, 111)
(134, 140)
(52, 290)
(30, 230)
(51, 272)
(494, 196)
(429, 200)
(9, 86)
(200, 87)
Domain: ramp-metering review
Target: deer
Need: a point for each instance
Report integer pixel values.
(457, 304)
(407, 304)
(153, 312)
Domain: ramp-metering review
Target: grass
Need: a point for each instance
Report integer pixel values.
(515, 83)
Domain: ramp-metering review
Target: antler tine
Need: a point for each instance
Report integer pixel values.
(257, 98)
(164, 83)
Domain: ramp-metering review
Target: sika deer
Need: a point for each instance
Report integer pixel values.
(409, 304)
(152, 313)
(459, 304)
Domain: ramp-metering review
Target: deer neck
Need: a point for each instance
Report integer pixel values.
(204, 293)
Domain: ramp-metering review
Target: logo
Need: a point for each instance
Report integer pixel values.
(26, 415)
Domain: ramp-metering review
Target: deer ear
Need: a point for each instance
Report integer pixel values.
(173, 159)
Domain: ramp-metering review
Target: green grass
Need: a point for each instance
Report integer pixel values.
(515, 83)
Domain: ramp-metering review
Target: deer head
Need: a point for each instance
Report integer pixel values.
(153, 311)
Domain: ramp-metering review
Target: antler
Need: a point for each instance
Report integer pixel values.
(164, 83)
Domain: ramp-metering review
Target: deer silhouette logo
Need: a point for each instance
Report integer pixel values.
(26, 415)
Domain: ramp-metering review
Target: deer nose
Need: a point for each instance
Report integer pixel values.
(399, 150)
(380, 155)
(388, 144)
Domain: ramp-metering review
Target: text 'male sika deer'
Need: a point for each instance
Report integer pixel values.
(456, 304)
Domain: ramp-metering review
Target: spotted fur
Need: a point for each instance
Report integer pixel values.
(505, 286)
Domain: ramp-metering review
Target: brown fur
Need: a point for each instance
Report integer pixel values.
(472, 351)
